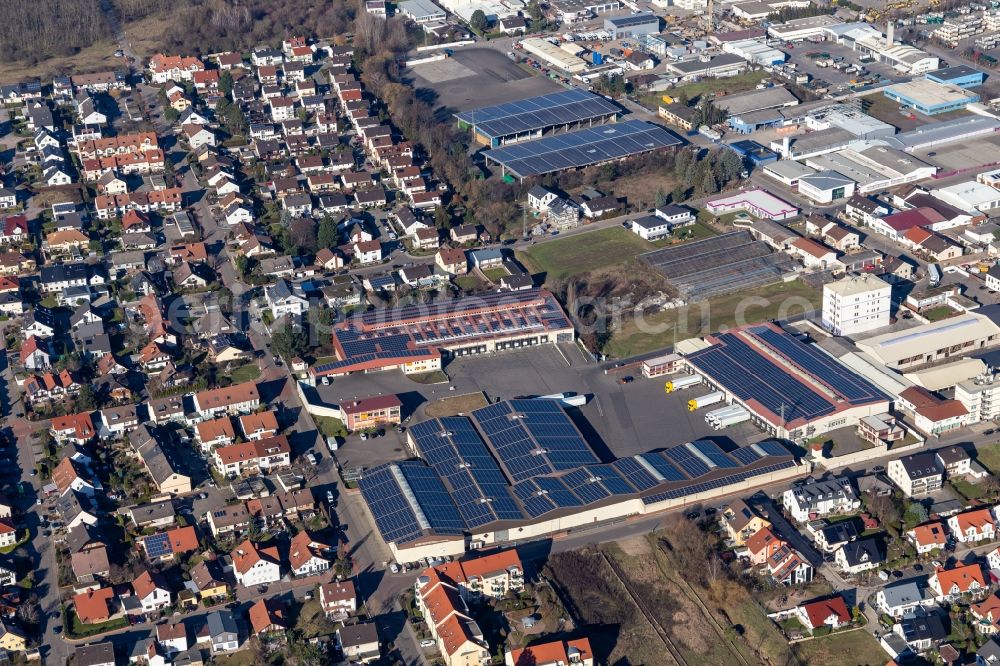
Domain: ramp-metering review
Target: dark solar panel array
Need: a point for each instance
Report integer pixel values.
(735, 477)
(687, 461)
(394, 516)
(636, 474)
(533, 437)
(668, 470)
(582, 147)
(749, 375)
(157, 545)
(746, 455)
(711, 450)
(854, 388)
(538, 113)
(454, 449)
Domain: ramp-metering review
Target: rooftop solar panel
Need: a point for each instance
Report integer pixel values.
(750, 375)
(637, 475)
(157, 545)
(538, 113)
(666, 469)
(581, 148)
(824, 368)
(746, 455)
(691, 464)
(711, 451)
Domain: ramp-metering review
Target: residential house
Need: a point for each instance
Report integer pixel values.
(928, 537)
(96, 654)
(814, 499)
(208, 581)
(152, 592)
(987, 615)
(223, 632)
(256, 566)
(788, 567)
(452, 261)
(553, 653)
(861, 555)
(762, 545)
(917, 474)
(96, 605)
(338, 599)
(741, 522)
(973, 526)
(264, 455)
(951, 584)
(259, 425)
(831, 538)
(359, 643)
(831, 613)
(307, 557)
(898, 599)
(235, 399)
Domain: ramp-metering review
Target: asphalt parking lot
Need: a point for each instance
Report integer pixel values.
(963, 155)
(475, 77)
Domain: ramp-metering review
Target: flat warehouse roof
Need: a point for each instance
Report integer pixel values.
(632, 20)
(582, 148)
(520, 460)
(783, 379)
(930, 93)
(536, 113)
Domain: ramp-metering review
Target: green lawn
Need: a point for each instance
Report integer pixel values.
(841, 649)
(940, 312)
(967, 490)
(433, 377)
(667, 327)
(245, 373)
(590, 251)
(494, 274)
(330, 427)
(696, 231)
(988, 455)
(469, 282)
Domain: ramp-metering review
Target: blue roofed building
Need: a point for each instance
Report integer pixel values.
(959, 75)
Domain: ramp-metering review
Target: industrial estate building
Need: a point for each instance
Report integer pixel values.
(521, 469)
(531, 118)
(792, 389)
(414, 338)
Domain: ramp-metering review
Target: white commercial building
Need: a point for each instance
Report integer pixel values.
(554, 55)
(980, 397)
(874, 168)
(937, 341)
(756, 202)
(971, 196)
(826, 186)
(856, 304)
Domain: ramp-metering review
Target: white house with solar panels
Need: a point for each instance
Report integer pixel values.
(531, 118)
(793, 390)
(520, 470)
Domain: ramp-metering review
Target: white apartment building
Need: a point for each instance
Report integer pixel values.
(980, 397)
(855, 304)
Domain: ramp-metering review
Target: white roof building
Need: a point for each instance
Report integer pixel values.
(932, 342)
(970, 195)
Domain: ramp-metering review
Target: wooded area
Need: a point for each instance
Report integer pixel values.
(34, 30)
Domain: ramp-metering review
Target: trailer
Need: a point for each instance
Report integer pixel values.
(682, 382)
(567, 399)
(694, 404)
(722, 412)
(733, 419)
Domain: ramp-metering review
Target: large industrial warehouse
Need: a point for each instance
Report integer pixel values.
(581, 148)
(530, 118)
(414, 338)
(793, 389)
(520, 469)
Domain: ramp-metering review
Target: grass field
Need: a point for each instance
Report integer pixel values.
(561, 258)
(852, 648)
(989, 456)
(433, 377)
(330, 427)
(245, 373)
(667, 327)
(967, 490)
(454, 405)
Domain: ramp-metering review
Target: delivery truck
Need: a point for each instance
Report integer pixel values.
(732, 419)
(717, 414)
(682, 382)
(694, 404)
